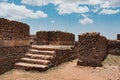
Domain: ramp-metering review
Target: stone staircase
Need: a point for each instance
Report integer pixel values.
(36, 59)
(39, 58)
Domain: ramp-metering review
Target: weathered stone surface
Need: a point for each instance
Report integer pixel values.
(118, 36)
(62, 56)
(114, 47)
(14, 42)
(43, 57)
(92, 49)
(10, 43)
(13, 30)
(13, 33)
(33, 39)
(9, 56)
(55, 38)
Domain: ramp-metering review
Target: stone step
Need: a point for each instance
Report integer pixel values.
(35, 61)
(28, 66)
(42, 52)
(39, 56)
(43, 48)
(52, 47)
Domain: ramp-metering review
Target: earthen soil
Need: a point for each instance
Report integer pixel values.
(67, 71)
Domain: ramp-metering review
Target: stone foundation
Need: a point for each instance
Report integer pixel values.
(55, 38)
(62, 56)
(9, 56)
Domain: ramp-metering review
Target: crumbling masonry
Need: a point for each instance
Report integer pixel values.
(55, 38)
(92, 49)
(14, 42)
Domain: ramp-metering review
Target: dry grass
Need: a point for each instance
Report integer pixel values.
(69, 71)
(112, 60)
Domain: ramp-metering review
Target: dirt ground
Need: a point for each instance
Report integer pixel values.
(69, 71)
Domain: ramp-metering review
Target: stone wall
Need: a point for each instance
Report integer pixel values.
(92, 49)
(33, 39)
(114, 47)
(42, 38)
(55, 38)
(118, 36)
(64, 55)
(14, 43)
(13, 30)
(13, 33)
(9, 56)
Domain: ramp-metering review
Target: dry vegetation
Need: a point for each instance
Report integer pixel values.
(69, 71)
(112, 60)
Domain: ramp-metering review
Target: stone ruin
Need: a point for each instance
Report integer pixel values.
(118, 36)
(33, 39)
(114, 47)
(43, 57)
(55, 38)
(51, 49)
(92, 49)
(14, 43)
(13, 33)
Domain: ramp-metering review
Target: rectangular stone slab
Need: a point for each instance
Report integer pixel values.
(10, 43)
